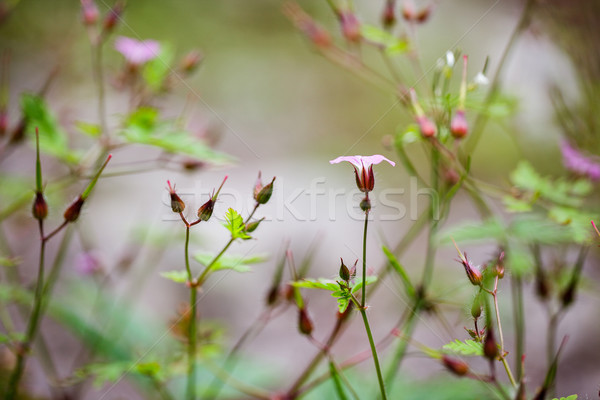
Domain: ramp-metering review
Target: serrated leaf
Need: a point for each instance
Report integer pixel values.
(53, 139)
(235, 224)
(236, 263)
(321, 283)
(175, 276)
(343, 303)
(571, 397)
(467, 348)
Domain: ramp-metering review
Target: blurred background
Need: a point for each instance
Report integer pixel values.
(265, 96)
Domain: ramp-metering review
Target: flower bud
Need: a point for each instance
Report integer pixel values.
(388, 17)
(473, 273)
(205, 211)
(365, 204)
(459, 128)
(251, 227)
(568, 295)
(112, 17)
(350, 26)
(262, 194)
(177, 205)
(273, 295)
(191, 60)
(344, 272)
(315, 33)
(542, 288)
(476, 307)
(499, 267)
(89, 12)
(423, 15)
(72, 212)
(490, 349)
(408, 11)
(40, 207)
(455, 366)
(305, 325)
(427, 127)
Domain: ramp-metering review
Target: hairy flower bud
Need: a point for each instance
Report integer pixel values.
(72, 212)
(112, 17)
(305, 325)
(344, 272)
(490, 349)
(205, 211)
(459, 128)
(251, 227)
(473, 273)
(476, 307)
(455, 366)
(262, 194)
(350, 26)
(40, 207)
(177, 205)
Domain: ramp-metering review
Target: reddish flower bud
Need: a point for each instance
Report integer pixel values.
(205, 211)
(72, 212)
(423, 15)
(191, 61)
(40, 207)
(426, 126)
(388, 17)
(273, 295)
(459, 128)
(499, 267)
(568, 295)
(408, 11)
(89, 12)
(473, 273)
(315, 33)
(177, 205)
(112, 17)
(455, 366)
(262, 194)
(490, 349)
(305, 325)
(350, 26)
(344, 272)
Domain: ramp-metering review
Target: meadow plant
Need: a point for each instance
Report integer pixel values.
(539, 226)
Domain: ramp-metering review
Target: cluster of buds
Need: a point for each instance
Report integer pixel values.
(303, 22)
(426, 126)
(204, 212)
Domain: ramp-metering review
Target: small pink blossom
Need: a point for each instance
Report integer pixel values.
(137, 52)
(579, 163)
(363, 169)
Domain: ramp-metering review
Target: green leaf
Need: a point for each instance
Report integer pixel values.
(571, 397)
(390, 43)
(516, 205)
(343, 303)
(175, 276)
(321, 283)
(467, 348)
(143, 126)
(10, 261)
(156, 71)
(408, 286)
(235, 224)
(236, 263)
(357, 285)
(86, 128)
(150, 368)
(53, 139)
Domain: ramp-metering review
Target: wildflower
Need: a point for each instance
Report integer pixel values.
(450, 60)
(459, 126)
(363, 169)
(481, 79)
(473, 273)
(137, 52)
(426, 126)
(40, 207)
(89, 12)
(579, 163)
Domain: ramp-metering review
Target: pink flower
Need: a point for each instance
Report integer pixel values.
(363, 169)
(579, 163)
(137, 52)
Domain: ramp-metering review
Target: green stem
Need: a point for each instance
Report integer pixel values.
(32, 324)
(374, 352)
(362, 307)
(398, 356)
(191, 378)
(99, 78)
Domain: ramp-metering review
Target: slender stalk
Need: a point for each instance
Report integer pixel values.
(363, 307)
(191, 378)
(509, 373)
(99, 79)
(411, 324)
(519, 317)
(22, 352)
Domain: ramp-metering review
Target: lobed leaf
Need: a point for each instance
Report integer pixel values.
(467, 348)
